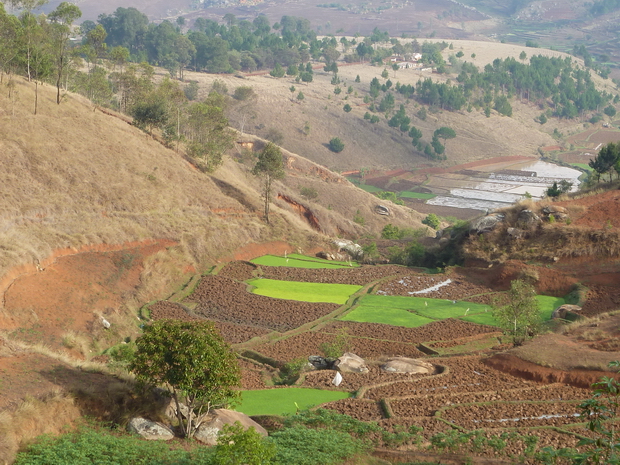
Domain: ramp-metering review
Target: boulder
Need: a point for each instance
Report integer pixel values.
(209, 430)
(350, 247)
(321, 363)
(563, 310)
(527, 218)
(150, 430)
(553, 210)
(486, 224)
(382, 210)
(515, 233)
(169, 409)
(407, 365)
(350, 363)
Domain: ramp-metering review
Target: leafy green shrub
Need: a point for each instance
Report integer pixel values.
(391, 196)
(306, 446)
(336, 145)
(309, 192)
(338, 346)
(431, 220)
(88, 445)
(236, 446)
(359, 219)
(330, 419)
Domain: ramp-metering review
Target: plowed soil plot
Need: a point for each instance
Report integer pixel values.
(601, 299)
(457, 289)
(444, 330)
(358, 409)
(359, 276)
(464, 374)
(306, 344)
(232, 333)
(223, 299)
(238, 270)
(427, 405)
(354, 381)
(502, 415)
(251, 377)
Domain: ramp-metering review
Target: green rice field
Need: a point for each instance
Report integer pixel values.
(412, 312)
(301, 261)
(282, 401)
(305, 292)
(416, 195)
(584, 166)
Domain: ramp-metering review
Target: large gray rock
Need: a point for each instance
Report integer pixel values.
(527, 218)
(486, 224)
(148, 429)
(209, 430)
(321, 363)
(563, 310)
(407, 365)
(350, 363)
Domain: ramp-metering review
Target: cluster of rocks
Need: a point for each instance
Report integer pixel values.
(526, 219)
(351, 363)
(208, 431)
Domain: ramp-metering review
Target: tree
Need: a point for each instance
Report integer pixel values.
(300, 96)
(605, 159)
(522, 56)
(432, 220)
(336, 145)
(62, 18)
(277, 71)
(444, 133)
(518, 314)
(150, 114)
(385, 74)
(270, 168)
(347, 107)
(193, 363)
(600, 412)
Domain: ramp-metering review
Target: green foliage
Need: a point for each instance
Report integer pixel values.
(88, 446)
(270, 167)
(432, 220)
(277, 71)
(359, 219)
(370, 251)
(391, 196)
(150, 114)
(302, 291)
(306, 446)
(339, 345)
(347, 108)
(309, 192)
(610, 111)
(557, 189)
(236, 446)
(192, 361)
(208, 136)
(336, 145)
(285, 401)
(244, 93)
(518, 314)
(606, 158)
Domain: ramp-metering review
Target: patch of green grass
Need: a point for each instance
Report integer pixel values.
(282, 401)
(299, 261)
(305, 292)
(584, 166)
(416, 195)
(548, 304)
(412, 312)
(369, 188)
(387, 316)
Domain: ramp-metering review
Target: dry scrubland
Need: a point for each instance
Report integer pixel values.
(74, 177)
(377, 145)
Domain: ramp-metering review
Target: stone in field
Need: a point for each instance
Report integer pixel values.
(407, 365)
(207, 432)
(150, 430)
(350, 363)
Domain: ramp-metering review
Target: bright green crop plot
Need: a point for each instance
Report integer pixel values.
(305, 292)
(416, 195)
(386, 315)
(299, 261)
(412, 312)
(321, 260)
(282, 401)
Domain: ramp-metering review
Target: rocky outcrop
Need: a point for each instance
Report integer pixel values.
(407, 365)
(150, 430)
(564, 310)
(209, 430)
(351, 363)
(527, 219)
(486, 224)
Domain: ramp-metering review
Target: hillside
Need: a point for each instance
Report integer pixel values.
(109, 184)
